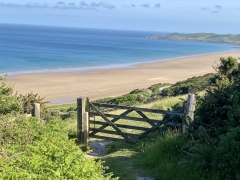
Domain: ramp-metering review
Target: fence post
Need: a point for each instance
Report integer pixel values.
(85, 128)
(88, 111)
(36, 110)
(189, 111)
(80, 114)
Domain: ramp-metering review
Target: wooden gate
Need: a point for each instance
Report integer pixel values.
(98, 120)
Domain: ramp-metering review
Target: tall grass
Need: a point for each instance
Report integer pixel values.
(167, 161)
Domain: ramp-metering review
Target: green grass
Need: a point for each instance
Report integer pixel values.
(158, 159)
(161, 159)
(166, 160)
(125, 161)
(164, 104)
(63, 107)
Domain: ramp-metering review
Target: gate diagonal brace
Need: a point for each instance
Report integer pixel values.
(165, 120)
(144, 116)
(111, 123)
(113, 120)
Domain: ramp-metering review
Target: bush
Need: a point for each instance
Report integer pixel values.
(155, 88)
(165, 159)
(28, 101)
(191, 85)
(219, 109)
(226, 158)
(213, 136)
(43, 151)
(8, 102)
(135, 97)
(5, 89)
(124, 98)
(70, 114)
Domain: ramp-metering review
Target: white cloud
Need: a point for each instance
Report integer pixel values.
(82, 3)
(93, 4)
(106, 5)
(158, 5)
(60, 5)
(218, 7)
(145, 5)
(205, 9)
(10, 4)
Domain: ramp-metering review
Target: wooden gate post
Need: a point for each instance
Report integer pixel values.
(82, 121)
(36, 110)
(189, 111)
(85, 128)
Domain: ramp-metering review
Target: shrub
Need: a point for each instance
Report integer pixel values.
(165, 156)
(8, 102)
(226, 158)
(56, 113)
(15, 133)
(191, 85)
(214, 134)
(219, 109)
(136, 91)
(43, 151)
(28, 101)
(70, 114)
(5, 89)
(124, 98)
(155, 88)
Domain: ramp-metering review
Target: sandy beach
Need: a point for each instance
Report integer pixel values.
(66, 87)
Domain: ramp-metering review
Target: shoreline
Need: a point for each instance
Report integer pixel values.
(110, 66)
(100, 83)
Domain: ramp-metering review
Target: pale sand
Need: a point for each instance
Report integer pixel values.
(114, 82)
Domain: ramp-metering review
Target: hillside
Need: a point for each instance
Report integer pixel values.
(204, 37)
(209, 149)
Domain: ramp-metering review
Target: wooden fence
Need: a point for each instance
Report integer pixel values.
(106, 124)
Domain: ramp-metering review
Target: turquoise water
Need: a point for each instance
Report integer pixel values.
(32, 49)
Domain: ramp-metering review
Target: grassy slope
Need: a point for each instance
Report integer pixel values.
(131, 161)
(142, 160)
(126, 161)
(207, 37)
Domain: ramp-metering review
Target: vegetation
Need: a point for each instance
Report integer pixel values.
(8, 102)
(205, 37)
(215, 131)
(135, 97)
(33, 149)
(191, 85)
(28, 101)
(153, 93)
(208, 150)
(165, 158)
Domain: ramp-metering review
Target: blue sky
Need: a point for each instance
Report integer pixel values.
(218, 16)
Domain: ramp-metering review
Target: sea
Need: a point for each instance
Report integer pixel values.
(38, 49)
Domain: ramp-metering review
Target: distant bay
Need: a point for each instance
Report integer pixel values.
(36, 49)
